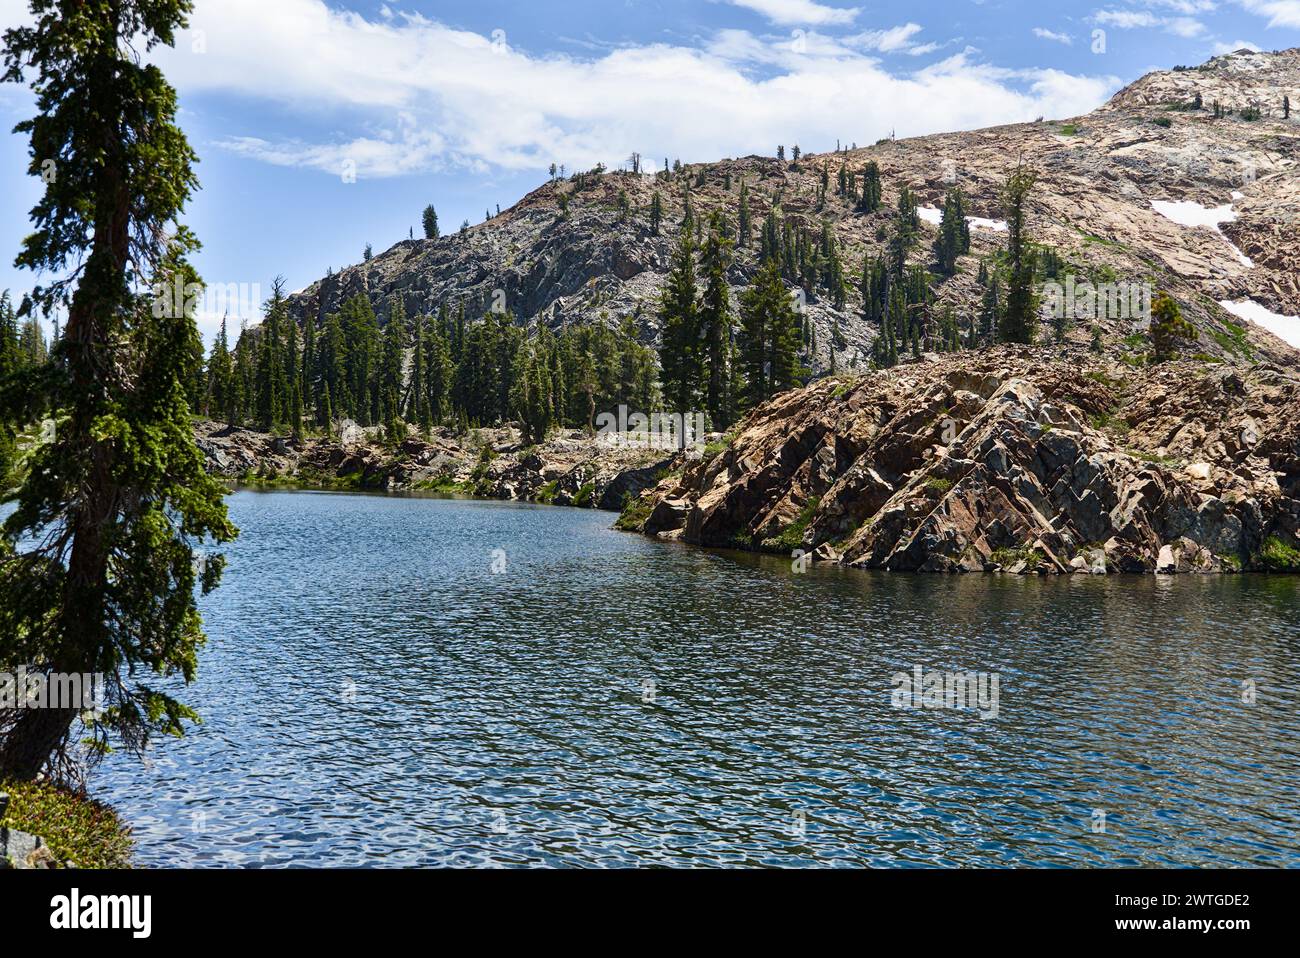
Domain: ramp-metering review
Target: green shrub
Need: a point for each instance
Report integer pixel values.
(1007, 558)
(720, 446)
(791, 536)
(76, 828)
(636, 510)
(1279, 556)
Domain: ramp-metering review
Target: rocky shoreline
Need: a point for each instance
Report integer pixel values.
(571, 468)
(1015, 459)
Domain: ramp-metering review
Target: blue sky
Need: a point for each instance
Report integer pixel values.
(466, 104)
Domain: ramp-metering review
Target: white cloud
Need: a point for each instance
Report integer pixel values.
(1185, 6)
(886, 41)
(1281, 13)
(1221, 48)
(1126, 19)
(408, 94)
(799, 12)
(1046, 34)
(1186, 27)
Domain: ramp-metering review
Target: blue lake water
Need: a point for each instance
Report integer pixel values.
(382, 687)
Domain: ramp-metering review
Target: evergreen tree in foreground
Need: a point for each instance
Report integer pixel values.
(119, 500)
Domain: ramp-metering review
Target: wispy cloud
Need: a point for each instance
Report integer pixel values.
(1126, 19)
(1281, 13)
(1046, 34)
(1221, 48)
(409, 94)
(886, 41)
(800, 12)
(1186, 27)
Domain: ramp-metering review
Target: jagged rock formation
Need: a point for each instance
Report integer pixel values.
(1012, 459)
(1100, 174)
(570, 468)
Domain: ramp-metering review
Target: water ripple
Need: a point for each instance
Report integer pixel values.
(374, 695)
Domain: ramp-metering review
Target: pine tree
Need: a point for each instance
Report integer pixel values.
(357, 395)
(1167, 327)
(392, 359)
(954, 233)
(716, 323)
(9, 353)
(430, 220)
(679, 352)
(112, 509)
(295, 409)
(656, 213)
(769, 337)
(906, 229)
(871, 188)
(419, 403)
(990, 313)
(272, 389)
(307, 367)
(1020, 315)
(220, 377)
(441, 375)
(744, 226)
(531, 397)
(875, 290)
(327, 412)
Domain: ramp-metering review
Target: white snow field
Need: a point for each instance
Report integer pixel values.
(1189, 213)
(1285, 328)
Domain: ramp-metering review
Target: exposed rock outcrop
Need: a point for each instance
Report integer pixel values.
(1010, 459)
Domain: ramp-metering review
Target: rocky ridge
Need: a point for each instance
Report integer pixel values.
(565, 254)
(1010, 459)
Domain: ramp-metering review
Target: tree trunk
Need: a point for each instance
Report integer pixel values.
(31, 741)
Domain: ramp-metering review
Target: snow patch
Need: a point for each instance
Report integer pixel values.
(1285, 328)
(935, 217)
(1189, 213)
